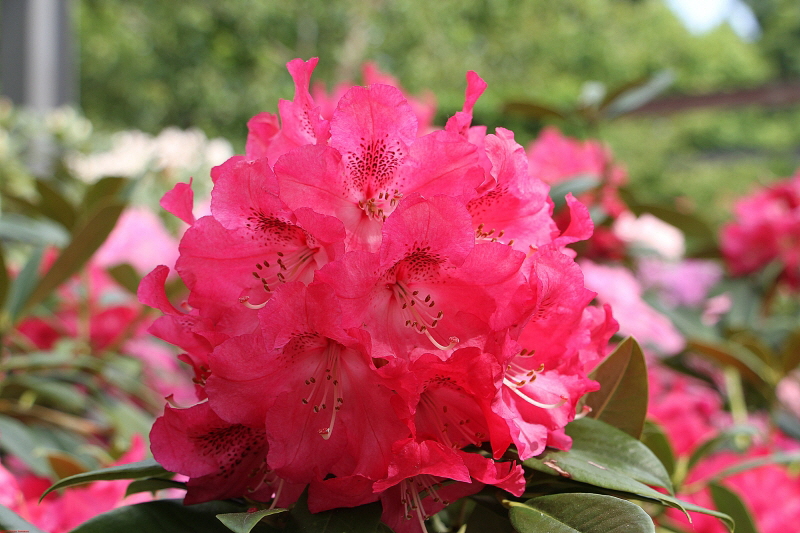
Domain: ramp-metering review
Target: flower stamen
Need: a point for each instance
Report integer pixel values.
(327, 388)
(419, 314)
(516, 377)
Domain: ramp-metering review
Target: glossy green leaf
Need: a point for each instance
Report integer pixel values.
(5, 279)
(164, 516)
(532, 110)
(604, 456)
(44, 360)
(576, 185)
(18, 440)
(20, 228)
(85, 242)
(24, 283)
(126, 276)
(624, 486)
(610, 459)
(54, 206)
(12, 522)
(245, 522)
(153, 485)
(617, 91)
(654, 438)
(622, 398)
(361, 519)
(138, 470)
(746, 362)
(128, 420)
(50, 391)
(775, 458)
(729, 503)
(580, 513)
(725, 438)
(103, 190)
(636, 97)
(483, 520)
(790, 352)
(746, 302)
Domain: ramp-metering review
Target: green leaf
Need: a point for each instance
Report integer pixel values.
(622, 398)
(724, 438)
(638, 96)
(576, 185)
(153, 484)
(361, 519)
(775, 458)
(654, 438)
(18, 440)
(85, 242)
(580, 513)
(51, 392)
(531, 110)
(604, 456)
(127, 419)
(483, 520)
(54, 206)
(746, 362)
(11, 521)
(790, 352)
(104, 189)
(245, 522)
(137, 470)
(47, 360)
(607, 458)
(729, 503)
(21, 228)
(5, 280)
(24, 283)
(126, 276)
(164, 516)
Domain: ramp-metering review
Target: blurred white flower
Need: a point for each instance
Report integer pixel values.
(650, 233)
(133, 153)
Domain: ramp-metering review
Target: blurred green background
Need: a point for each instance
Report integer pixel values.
(149, 64)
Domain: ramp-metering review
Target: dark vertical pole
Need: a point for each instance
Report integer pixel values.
(37, 65)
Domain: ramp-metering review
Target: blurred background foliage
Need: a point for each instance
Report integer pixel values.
(212, 65)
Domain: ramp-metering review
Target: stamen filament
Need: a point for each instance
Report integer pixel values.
(421, 317)
(327, 387)
(516, 390)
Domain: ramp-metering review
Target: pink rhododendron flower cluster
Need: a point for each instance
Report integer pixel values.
(691, 413)
(771, 492)
(554, 158)
(374, 312)
(689, 410)
(766, 229)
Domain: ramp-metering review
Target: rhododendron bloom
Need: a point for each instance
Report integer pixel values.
(691, 413)
(361, 311)
(555, 158)
(374, 159)
(766, 228)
